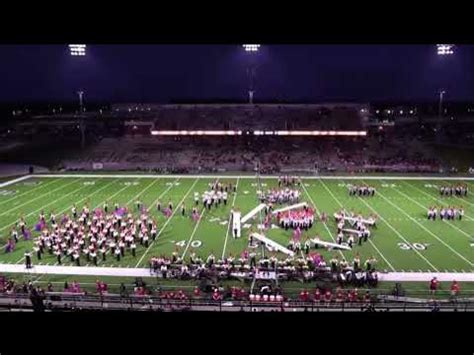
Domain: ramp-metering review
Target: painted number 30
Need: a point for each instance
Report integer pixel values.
(407, 246)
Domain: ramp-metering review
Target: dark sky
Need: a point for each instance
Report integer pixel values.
(291, 72)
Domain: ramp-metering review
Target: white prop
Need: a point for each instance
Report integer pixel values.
(330, 245)
(292, 207)
(270, 244)
(252, 213)
(236, 223)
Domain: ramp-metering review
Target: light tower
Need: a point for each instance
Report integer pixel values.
(442, 50)
(445, 49)
(79, 50)
(251, 49)
(440, 105)
(82, 127)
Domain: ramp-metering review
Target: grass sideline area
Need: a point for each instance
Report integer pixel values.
(404, 240)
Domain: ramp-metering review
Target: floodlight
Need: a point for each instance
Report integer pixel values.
(77, 49)
(445, 49)
(251, 47)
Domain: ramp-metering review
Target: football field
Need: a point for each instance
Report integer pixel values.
(404, 240)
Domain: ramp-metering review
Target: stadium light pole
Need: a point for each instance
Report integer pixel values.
(251, 49)
(440, 106)
(442, 50)
(79, 50)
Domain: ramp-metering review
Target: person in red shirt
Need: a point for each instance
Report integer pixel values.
(216, 295)
(367, 298)
(328, 296)
(340, 295)
(434, 285)
(304, 296)
(317, 295)
(350, 296)
(196, 292)
(455, 288)
(355, 295)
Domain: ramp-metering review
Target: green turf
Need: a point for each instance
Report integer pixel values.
(401, 204)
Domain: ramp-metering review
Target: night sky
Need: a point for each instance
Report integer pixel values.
(159, 73)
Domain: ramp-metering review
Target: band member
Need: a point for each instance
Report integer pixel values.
(28, 260)
(93, 255)
(57, 252)
(117, 253)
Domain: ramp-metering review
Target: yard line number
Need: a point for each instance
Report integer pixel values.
(194, 243)
(410, 246)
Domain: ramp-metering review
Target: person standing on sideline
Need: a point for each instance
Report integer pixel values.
(434, 285)
(28, 260)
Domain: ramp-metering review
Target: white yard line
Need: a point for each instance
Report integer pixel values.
(30, 191)
(426, 229)
(84, 198)
(161, 195)
(329, 177)
(201, 216)
(42, 207)
(424, 207)
(370, 241)
(142, 191)
(394, 230)
(471, 185)
(319, 215)
(230, 218)
(131, 200)
(38, 197)
(166, 223)
(434, 198)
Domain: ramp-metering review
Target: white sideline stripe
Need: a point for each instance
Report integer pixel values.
(40, 196)
(230, 218)
(325, 225)
(427, 230)
(436, 199)
(370, 241)
(445, 221)
(30, 191)
(145, 272)
(14, 181)
(166, 223)
(398, 233)
(351, 177)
